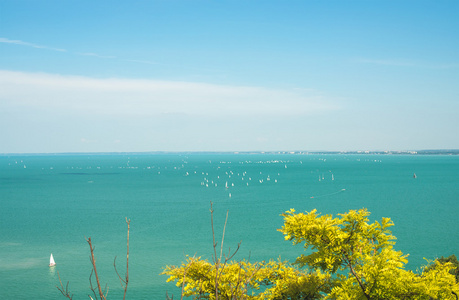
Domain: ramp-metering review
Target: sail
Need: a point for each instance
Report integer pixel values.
(51, 261)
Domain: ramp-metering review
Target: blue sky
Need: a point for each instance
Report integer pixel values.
(89, 76)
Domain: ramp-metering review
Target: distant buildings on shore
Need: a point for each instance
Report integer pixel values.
(385, 152)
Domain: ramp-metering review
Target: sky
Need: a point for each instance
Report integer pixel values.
(134, 76)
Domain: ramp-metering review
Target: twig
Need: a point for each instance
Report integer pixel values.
(167, 296)
(213, 232)
(106, 291)
(128, 222)
(91, 287)
(230, 256)
(216, 260)
(126, 279)
(223, 236)
(66, 293)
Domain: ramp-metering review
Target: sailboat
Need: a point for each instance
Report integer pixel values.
(52, 263)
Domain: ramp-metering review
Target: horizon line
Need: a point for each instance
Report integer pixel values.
(419, 151)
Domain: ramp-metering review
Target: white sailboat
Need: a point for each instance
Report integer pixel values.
(52, 263)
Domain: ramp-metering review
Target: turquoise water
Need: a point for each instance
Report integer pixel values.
(49, 204)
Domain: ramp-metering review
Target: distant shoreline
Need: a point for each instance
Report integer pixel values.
(356, 152)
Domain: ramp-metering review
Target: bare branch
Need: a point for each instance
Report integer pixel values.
(124, 281)
(213, 231)
(91, 287)
(223, 236)
(128, 222)
(93, 261)
(65, 292)
(106, 290)
(167, 296)
(119, 276)
(103, 295)
(216, 260)
(230, 256)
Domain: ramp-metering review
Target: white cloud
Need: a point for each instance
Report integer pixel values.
(18, 42)
(87, 141)
(95, 55)
(127, 97)
(386, 62)
(141, 61)
(407, 63)
(27, 44)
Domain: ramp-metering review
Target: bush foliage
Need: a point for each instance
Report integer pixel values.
(345, 257)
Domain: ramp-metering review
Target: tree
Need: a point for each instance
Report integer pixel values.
(361, 258)
(451, 259)
(346, 258)
(244, 280)
(225, 279)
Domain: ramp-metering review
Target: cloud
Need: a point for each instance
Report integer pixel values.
(141, 61)
(96, 55)
(385, 62)
(87, 141)
(18, 42)
(144, 97)
(406, 63)
(27, 44)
